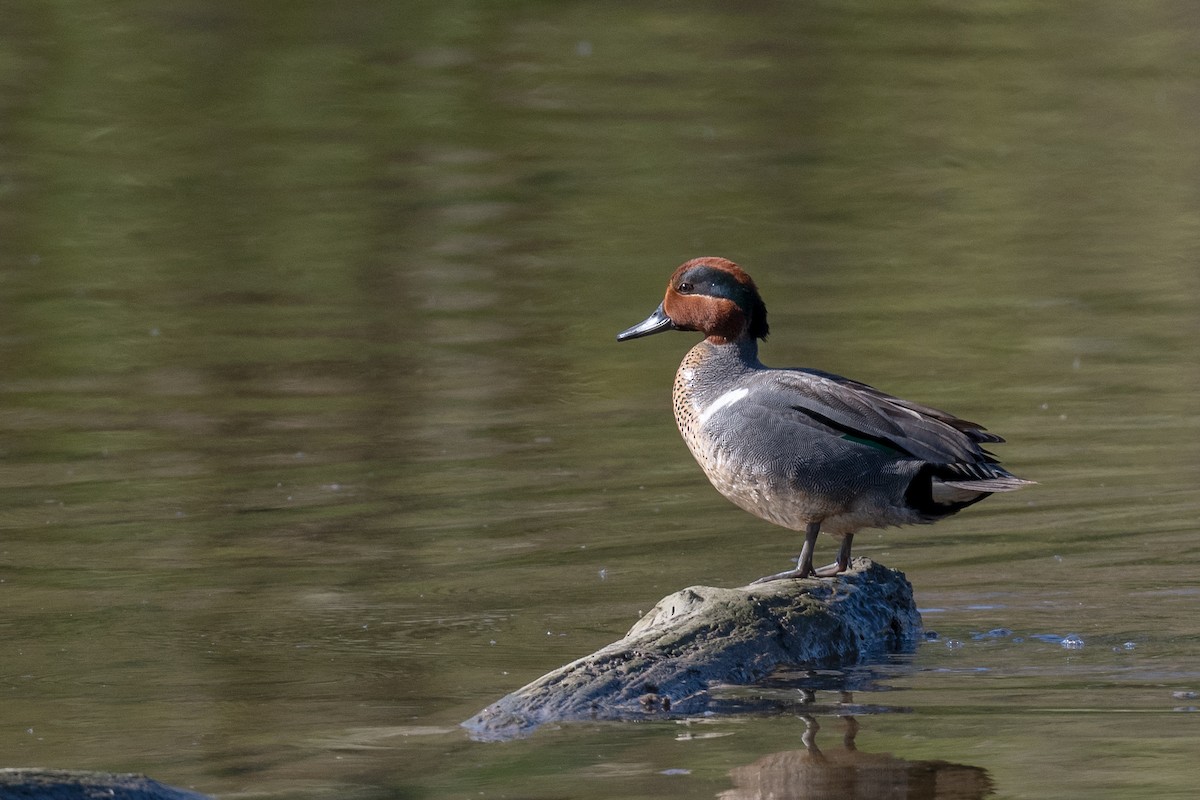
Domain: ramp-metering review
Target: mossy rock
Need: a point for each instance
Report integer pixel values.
(704, 636)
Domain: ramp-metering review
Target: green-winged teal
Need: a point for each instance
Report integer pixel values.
(806, 449)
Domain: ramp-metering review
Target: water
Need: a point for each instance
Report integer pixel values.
(314, 438)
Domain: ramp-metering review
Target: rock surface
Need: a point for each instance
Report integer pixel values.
(64, 784)
(704, 636)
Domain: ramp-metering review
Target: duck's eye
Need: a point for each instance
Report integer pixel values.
(684, 288)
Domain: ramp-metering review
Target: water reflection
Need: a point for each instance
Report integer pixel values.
(803, 692)
(846, 772)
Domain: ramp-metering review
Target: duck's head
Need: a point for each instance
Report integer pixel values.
(710, 295)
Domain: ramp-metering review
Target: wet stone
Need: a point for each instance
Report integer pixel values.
(703, 636)
(48, 784)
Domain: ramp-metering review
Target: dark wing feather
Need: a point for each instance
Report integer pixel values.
(859, 411)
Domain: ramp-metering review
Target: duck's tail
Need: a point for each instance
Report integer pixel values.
(957, 484)
(942, 489)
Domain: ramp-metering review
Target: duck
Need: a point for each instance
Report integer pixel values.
(808, 450)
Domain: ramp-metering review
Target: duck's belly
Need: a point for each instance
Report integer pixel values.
(843, 497)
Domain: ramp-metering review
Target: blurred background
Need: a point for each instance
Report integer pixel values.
(315, 438)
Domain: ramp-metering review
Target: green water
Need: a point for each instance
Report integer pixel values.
(315, 439)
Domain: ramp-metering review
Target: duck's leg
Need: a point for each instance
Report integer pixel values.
(843, 559)
(804, 566)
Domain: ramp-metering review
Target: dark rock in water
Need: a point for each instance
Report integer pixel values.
(62, 784)
(703, 636)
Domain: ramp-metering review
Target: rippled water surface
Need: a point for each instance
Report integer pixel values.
(315, 439)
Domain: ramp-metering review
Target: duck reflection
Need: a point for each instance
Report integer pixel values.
(846, 772)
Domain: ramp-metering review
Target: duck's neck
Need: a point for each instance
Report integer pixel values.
(743, 349)
(716, 363)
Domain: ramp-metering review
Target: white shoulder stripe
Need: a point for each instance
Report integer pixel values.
(724, 401)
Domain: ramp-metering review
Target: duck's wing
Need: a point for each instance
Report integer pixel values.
(861, 413)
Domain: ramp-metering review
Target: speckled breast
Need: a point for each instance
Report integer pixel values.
(704, 387)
